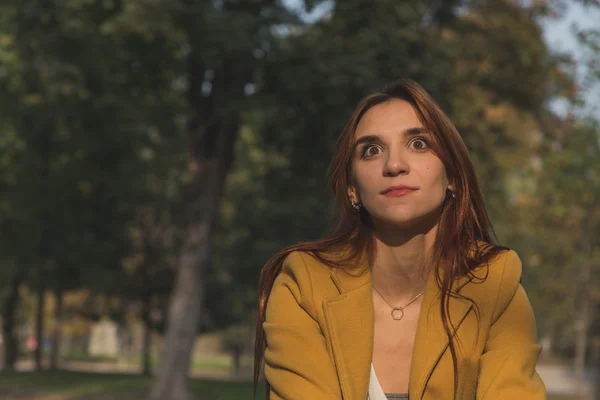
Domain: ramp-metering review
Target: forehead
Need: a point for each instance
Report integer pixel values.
(390, 117)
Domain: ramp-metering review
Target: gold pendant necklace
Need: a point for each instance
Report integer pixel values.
(397, 308)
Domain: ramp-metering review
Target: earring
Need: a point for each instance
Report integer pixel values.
(451, 192)
(355, 205)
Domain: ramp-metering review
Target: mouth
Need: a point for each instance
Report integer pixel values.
(396, 191)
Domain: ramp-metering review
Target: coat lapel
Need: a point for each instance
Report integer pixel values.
(431, 340)
(350, 320)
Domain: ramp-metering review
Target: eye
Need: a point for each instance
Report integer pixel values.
(370, 150)
(419, 144)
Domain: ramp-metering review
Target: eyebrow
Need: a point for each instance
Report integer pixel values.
(377, 139)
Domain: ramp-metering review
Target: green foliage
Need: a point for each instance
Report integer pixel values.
(564, 217)
(106, 102)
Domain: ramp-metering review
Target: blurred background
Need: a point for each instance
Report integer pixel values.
(155, 153)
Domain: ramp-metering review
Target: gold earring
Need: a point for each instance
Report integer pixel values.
(355, 205)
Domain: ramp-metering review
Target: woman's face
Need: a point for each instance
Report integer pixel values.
(396, 176)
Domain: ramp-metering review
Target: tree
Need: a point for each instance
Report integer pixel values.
(81, 130)
(573, 205)
(219, 64)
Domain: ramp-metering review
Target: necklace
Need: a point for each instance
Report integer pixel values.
(397, 308)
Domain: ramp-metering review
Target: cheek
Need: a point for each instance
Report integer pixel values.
(365, 178)
(435, 174)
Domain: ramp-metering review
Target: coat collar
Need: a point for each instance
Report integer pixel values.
(350, 320)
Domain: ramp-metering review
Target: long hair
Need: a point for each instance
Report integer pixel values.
(464, 238)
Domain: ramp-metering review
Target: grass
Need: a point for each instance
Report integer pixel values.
(66, 385)
(221, 363)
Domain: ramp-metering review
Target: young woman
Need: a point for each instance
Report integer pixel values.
(408, 297)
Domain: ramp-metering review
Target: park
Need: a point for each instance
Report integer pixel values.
(156, 153)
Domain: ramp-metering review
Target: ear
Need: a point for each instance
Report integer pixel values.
(451, 187)
(352, 194)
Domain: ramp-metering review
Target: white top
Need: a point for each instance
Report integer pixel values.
(375, 390)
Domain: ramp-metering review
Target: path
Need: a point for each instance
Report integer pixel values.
(560, 379)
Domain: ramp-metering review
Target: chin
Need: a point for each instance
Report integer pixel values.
(408, 218)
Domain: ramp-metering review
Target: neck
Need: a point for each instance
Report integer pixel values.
(402, 260)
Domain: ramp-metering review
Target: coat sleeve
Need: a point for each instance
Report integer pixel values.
(507, 366)
(297, 363)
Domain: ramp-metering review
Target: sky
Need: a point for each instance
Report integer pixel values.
(560, 36)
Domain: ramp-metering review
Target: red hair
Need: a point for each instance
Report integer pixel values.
(464, 238)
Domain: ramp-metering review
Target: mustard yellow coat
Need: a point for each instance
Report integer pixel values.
(319, 331)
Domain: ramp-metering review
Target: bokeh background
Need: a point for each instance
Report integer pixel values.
(155, 153)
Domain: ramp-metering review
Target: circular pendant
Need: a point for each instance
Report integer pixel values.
(395, 315)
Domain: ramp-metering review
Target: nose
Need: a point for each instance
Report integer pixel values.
(395, 163)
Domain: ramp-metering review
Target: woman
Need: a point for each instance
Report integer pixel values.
(408, 297)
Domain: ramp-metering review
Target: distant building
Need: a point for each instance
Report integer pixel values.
(104, 339)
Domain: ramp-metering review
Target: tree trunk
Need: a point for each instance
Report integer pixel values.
(583, 320)
(211, 146)
(57, 329)
(147, 340)
(39, 328)
(237, 360)
(547, 340)
(581, 344)
(44, 248)
(596, 387)
(9, 307)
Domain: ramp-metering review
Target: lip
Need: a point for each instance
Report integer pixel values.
(394, 191)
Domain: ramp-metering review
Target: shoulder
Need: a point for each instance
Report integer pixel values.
(303, 268)
(508, 269)
(496, 282)
(305, 277)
